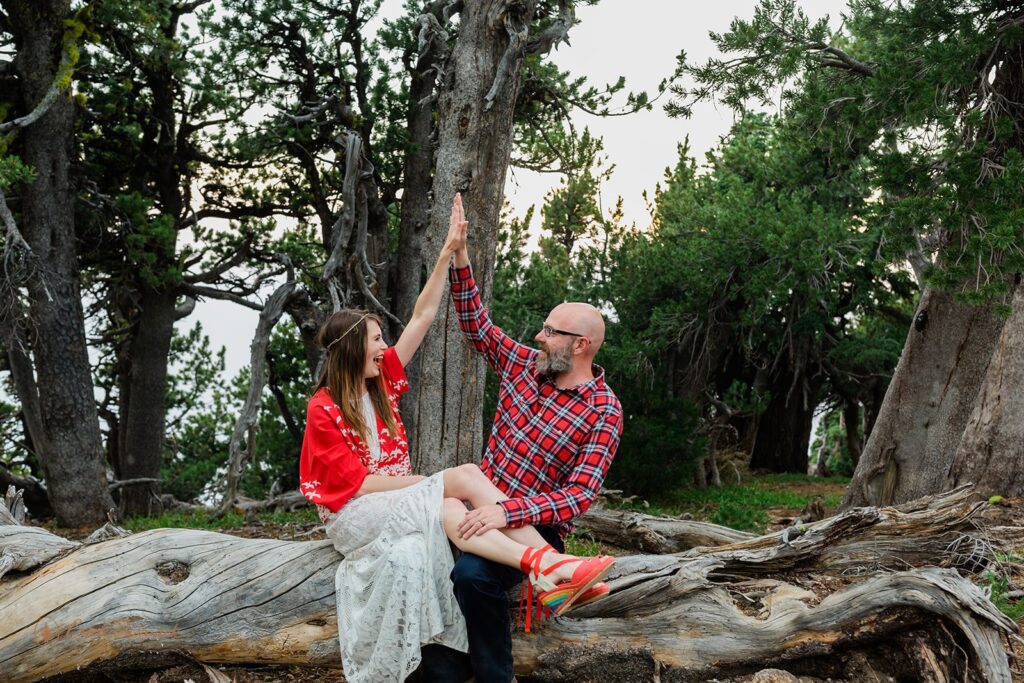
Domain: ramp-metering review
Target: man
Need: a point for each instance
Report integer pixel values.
(554, 436)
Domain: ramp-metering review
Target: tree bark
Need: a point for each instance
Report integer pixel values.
(787, 601)
(851, 425)
(991, 449)
(248, 419)
(418, 174)
(928, 404)
(73, 461)
(141, 423)
(161, 173)
(475, 106)
(784, 429)
(35, 496)
(308, 317)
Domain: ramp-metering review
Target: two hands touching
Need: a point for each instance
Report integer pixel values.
(482, 519)
(458, 226)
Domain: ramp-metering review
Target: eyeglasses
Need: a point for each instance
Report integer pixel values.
(550, 331)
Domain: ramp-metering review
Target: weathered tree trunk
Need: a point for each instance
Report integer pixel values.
(790, 600)
(17, 345)
(308, 317)
(418, 173)
(991, 450)
(244, 435)
(929, 402)
(475, 108)
(73, 459)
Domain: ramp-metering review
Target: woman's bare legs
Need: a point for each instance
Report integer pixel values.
(468, 482)
(498, 547)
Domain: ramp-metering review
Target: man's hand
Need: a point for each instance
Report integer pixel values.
(481, 520)
(457, 227)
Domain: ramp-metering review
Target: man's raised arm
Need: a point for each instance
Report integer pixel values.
(500, 350)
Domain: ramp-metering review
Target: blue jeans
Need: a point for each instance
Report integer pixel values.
(481, 588)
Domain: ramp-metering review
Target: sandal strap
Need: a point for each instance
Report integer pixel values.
(555, 565)
(538, 577)
(529, 563)
(529, 555)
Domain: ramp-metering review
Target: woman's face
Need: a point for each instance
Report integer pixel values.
(375, 348)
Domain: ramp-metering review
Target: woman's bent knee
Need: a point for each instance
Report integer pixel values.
(453, 509)
(459, 480)
(469, 473)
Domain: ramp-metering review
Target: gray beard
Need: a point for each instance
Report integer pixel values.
(555, 363)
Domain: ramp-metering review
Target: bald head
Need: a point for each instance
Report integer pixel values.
(581, 318)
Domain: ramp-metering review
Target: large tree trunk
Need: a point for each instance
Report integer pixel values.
(143, 402)
(418, 175)
(73, 459)
(150, 297)
(784, 429)
(851, 427)
(803, 599)
(928, 404)
(474, 147)
(991, 450)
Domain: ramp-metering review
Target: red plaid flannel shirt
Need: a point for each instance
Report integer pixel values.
(549, 448)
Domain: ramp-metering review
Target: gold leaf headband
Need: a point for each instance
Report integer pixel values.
(345, 334)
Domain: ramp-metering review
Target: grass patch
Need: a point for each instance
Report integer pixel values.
(204, 519)
(999, 585)
(743, 506)
(582, 545)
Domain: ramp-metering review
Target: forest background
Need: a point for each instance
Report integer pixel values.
(850, 249)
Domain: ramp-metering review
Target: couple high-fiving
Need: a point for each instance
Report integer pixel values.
(554, 435)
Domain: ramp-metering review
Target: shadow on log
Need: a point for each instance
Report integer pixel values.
(816, 599)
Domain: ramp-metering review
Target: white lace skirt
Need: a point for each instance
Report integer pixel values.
(393, 587)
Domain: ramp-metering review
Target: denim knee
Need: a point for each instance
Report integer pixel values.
(473, 574)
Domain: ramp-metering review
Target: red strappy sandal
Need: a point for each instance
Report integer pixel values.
(559, 598)
(588, 572)
(593, 594)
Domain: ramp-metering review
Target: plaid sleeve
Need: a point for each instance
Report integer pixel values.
(582, 486)
(499, 349)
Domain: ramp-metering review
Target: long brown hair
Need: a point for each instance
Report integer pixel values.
(344, 337)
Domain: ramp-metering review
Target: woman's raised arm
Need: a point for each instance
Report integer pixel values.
(430, 298)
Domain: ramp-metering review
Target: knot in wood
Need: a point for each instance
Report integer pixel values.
(172, 571)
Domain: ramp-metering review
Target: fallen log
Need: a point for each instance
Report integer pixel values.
(631, 530)
(653, 534)
(145, 599)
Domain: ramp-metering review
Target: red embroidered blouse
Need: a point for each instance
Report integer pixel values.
(335, 460)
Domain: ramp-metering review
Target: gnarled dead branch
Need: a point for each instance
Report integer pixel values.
(775, 600)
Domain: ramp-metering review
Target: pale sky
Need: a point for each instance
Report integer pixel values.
(637, 39)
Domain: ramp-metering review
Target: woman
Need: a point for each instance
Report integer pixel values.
(393, 589)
